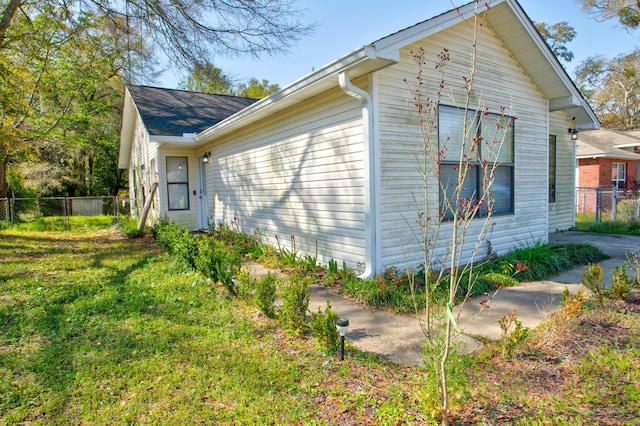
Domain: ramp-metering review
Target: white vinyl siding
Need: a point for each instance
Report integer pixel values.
(499, 82)
(297, 175)
(562, 211)
(142, 170)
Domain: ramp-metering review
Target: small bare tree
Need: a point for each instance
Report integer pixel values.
(455, 206)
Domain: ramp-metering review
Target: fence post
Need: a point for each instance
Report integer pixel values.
(12, 213)
(584, 200)
(598, 203)
(614, 201)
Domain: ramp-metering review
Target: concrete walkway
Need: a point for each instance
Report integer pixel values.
(399, 338)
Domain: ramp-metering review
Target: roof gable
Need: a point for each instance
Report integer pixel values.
(506, 18)
(167, 112)
(518, 34)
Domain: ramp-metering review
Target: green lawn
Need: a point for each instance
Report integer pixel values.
(100, 329)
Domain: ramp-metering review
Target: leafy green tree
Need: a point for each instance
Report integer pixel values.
(206, 78)
(55, 83)
(69, 93)
(612, 88)
(627, 12)
(257, 89)
(557, 36)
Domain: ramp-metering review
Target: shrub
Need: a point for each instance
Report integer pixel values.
(265, 294)
(216, 261)
(245, 284)
(323, 328)
(294, 293)
(166, 233)
(627, 209)
(573, 304)
(185, 247)
(592, 279)
(621, 287)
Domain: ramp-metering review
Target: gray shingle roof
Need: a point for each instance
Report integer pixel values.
(604, 143)
(168, 112)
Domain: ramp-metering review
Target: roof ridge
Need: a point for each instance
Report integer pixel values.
(145, 86)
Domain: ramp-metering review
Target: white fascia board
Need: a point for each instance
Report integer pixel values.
(627, 145)
(126, 131)
(182, 140)
(298, 90)
(394, 42)
(589, 119)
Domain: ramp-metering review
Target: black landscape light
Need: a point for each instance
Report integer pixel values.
(342, 325)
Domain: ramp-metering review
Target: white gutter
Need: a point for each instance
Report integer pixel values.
(187, 138)
(295, 92)
(370, 211)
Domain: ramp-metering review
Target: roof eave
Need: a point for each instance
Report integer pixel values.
(357, 63)
(564, 97)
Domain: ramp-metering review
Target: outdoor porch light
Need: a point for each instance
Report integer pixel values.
(342, 324)
(205, 157)
(573, 131)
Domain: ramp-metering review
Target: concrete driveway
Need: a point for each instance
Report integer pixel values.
(533, 301)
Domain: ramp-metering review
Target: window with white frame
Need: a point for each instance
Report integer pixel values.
(178, 183)
(619, 175)
(489, 148)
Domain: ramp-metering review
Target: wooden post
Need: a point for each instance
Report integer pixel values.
(147, 207)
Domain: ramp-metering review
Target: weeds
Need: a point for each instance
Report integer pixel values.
(332, 267)
(513, 334)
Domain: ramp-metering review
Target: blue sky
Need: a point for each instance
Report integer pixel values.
(345, 25)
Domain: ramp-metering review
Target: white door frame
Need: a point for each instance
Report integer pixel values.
(203, 213)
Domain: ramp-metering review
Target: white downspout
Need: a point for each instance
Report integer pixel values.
(369, 175)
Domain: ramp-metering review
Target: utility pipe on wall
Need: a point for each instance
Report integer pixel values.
(369, 175)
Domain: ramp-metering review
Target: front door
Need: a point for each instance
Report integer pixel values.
(203, 213)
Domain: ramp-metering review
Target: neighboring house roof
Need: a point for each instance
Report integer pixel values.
(167, 112)
(505, 17)
(630, 144)
(606, 143)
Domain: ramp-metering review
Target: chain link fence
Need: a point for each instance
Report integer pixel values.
(607, 203)
(19, 210)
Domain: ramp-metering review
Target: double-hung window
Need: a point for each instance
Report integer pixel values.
(178, 183)
(619, 175)
(488, 152)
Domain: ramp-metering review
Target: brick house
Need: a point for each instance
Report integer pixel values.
(606, 159)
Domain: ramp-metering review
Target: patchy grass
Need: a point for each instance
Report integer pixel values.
(586, 223)
(97, 328)
(581, 368)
